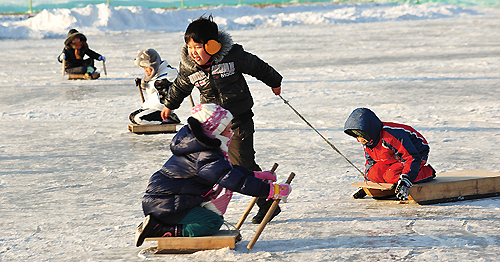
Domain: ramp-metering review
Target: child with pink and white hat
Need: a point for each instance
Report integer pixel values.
(184, 197)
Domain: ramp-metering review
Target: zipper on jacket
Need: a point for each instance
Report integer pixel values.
(213, 85)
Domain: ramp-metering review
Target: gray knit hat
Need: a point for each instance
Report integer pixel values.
(148, 58)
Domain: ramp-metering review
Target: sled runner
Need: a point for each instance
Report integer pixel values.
(446, 187)
(95, 75)
(188, 245)
(153, 129)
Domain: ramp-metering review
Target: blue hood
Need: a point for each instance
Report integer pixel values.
(364, 119)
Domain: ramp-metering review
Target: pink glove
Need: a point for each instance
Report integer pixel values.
(279, 190)
(265, 175)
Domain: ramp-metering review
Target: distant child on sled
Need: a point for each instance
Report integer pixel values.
(211, 62)
(395, 153)
(160, 73)
(75, 48)
(185, 198)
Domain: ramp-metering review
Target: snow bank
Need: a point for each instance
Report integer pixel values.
(103, 19)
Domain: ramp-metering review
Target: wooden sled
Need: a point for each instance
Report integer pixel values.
(95, 75)
(188, 245)
(446, 187)
(380, 190)
(153, 129)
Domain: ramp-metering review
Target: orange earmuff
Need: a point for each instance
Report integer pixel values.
(212, 47)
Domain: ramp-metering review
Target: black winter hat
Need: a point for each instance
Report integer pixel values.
(72, 31)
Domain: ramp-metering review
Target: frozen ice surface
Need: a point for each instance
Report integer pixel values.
(72, 176)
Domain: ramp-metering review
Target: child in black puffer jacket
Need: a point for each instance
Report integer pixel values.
(211, 62)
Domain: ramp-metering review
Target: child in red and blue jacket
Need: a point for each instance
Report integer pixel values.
(395, 153)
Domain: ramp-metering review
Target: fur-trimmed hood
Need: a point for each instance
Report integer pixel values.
(226, 41)
(72, 36)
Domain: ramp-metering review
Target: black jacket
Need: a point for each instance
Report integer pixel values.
(71, 60)
(196, 166)
(223, 82)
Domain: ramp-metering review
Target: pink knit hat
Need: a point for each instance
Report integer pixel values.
(213, 118)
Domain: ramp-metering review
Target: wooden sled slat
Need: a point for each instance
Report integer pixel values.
(456, 186)
(186, 245)
(369, 184)
(152, 129)
(82, 76)
(375, 190)
(446, 187)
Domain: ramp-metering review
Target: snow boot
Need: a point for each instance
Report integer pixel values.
(151, 227)
(87, 76)
(264, 206)
(433, 170)
(172, 119)
(360, 193)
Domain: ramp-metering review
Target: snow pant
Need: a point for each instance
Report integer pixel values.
(81, 69)
(200, 222)
(389, 173)
(146, 117)
(151, 117)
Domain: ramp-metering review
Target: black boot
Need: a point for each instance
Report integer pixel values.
(172, 119)
(264, 206)
(433, 170)
(359, 194)
(151, 227)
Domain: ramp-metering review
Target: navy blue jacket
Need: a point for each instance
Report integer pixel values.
(196, 166)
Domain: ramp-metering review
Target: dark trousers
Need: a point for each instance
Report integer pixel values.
(242, 153)
(241, 150)
(80, 69)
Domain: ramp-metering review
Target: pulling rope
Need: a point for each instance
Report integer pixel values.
(331, 145)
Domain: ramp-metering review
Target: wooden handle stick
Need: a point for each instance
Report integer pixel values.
(191, 99)
(268, 216)
(64, 67)
(252, 203)
(140, 92)
(104, 67)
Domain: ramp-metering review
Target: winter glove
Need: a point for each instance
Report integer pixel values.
(265, 175)
(277, 90)
(62, 57)
(279, 191)
(402, 187)
(137, 82)
(102, 58)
